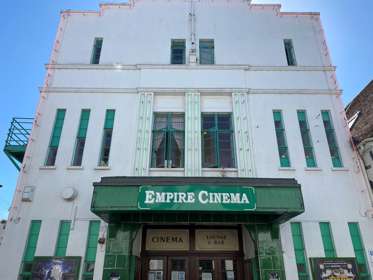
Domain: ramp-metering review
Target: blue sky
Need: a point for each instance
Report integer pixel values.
(27, 31)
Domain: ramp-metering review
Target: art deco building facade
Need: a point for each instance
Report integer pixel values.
(188, 140)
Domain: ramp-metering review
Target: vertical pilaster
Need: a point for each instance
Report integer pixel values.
(193, 166)
(241, 114)
(268, 250)
(144, 127)
(119, 259)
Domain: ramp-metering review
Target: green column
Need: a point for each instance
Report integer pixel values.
(193, 166)
(144, 131)
(241, 113)
(118, 255)
(268, 249)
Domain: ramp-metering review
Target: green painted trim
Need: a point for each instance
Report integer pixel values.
(327, 240)
(300, 251)
(30, 248)
(331, 139)
(306, 138)
(283, 150)
(55, 137)
(358, 245)
(62, 238)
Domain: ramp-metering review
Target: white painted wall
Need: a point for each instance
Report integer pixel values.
(250, 57)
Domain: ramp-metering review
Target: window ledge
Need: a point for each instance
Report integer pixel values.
(48, 167)
(102, 168)
(166, 169)
(339, 169)
(286, 168)
(220, 169)
(75, 168)
(312, 169)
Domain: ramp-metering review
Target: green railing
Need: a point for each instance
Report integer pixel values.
(17, 139)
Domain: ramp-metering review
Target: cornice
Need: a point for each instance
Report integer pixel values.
(244, 67)
(195, 89)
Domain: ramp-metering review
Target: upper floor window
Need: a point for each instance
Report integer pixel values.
(306, 138)
(206, 51)
(282, 145)
(290, 54)
(106, 138)
(55, 138)
(177, 51)
(331, 138)
(80, 138)
(217, 140)
(168, 140)
(96, 53)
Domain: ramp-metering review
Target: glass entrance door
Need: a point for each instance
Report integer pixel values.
(178, 268)
(166, 268)
(217, 268)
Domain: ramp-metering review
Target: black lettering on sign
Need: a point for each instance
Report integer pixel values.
(167, 239)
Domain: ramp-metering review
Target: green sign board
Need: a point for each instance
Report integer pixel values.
(197, 198)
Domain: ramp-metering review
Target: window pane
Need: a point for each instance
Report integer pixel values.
(177, 51)
(177, 121)
(96, 54)
(206, 51)
(176, 149)
(226, 149)
(208, 121)
(105, 150)
(281, 139)
(209, 150)
(159, 149)
(78, 153)
(289, 51)
(224, 121)
(331, 138)
(160, 121)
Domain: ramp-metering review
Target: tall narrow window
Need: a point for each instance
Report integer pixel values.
(327, 240)
(300, 251)
(206, 51)
(91, 249)
(168, 140)
(29, 253)
(62, 239)
(281, 139)
(306, 138)
(358, 245)
(178, 51)
(96, 53)
(217, 140)
(80, 138)
(332, 139)
(289, 51)
(55, 138)
(106, 138)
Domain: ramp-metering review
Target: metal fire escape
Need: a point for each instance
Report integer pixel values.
(17, 140)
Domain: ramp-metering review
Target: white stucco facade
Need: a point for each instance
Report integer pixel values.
(135, 60)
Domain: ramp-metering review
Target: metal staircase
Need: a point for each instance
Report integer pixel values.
(17, 140)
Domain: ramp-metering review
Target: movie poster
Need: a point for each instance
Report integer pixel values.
(55, 268)
(334, 268)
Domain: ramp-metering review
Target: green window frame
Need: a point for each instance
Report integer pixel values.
(62, 238)
(300, 251)
(81, 138)
(106, 138)
(206, 51)
(168, 140)
(178, 51)
(29, 251)
(55, 138)
(327, 240)
(332, 139)
(306, 139)
(91, 250)
(290, 53)
(282, 146)
(96, 53)
(218, 150)
(358, 245)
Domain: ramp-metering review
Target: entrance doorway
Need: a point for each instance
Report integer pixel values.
(192, 268)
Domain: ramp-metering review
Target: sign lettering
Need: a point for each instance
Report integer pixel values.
(197, 198)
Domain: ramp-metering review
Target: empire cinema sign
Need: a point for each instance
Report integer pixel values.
(197, 198)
